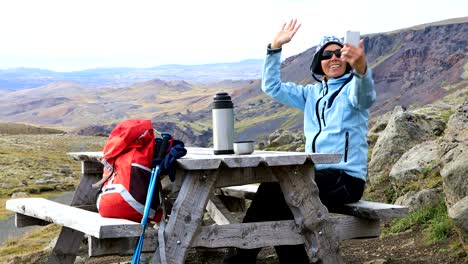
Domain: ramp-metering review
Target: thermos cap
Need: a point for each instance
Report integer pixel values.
(222, 100)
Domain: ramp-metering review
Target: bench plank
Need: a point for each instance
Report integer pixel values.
(243, 191)
(374, 210)
(90, 223)
(362, 209)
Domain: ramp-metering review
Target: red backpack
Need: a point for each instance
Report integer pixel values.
(127, 159)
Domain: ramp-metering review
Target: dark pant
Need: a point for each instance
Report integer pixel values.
(335, 188)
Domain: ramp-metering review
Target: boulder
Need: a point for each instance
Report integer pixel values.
(454, 175)
(424, 198)
(404, 130)
(416, 163)
(381, 123)
(19, 195)
(457, 126)
(459, 214)
(65, 170)
(283, 139)
(455, 156)
(275, 135)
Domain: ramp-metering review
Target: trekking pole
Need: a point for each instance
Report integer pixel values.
(149, 198)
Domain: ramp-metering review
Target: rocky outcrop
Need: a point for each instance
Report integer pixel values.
(281, 137)
(283, 140)
(423, 153)
(286, 140)
(431, 161)
(404, 130)
(455, 171)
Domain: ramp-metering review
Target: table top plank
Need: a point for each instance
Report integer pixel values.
(203, 158)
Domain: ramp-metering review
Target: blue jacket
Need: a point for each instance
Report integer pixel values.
(335, 113)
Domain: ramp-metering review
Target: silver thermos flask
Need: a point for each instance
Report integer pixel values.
(223, 124)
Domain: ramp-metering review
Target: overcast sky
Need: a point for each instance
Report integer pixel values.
(65, 35)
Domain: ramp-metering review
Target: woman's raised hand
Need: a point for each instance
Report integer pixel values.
(285, 34)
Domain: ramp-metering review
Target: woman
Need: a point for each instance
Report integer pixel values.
(335, 121)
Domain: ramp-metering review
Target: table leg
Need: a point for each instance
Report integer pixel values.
(187, 214)
(69, 240)
(301, 194)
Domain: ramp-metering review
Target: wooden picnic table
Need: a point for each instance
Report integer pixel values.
(200, 171)
(199, 174)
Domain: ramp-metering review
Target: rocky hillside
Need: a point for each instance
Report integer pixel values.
(414, 66)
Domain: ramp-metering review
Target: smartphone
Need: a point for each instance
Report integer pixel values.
(352, 37)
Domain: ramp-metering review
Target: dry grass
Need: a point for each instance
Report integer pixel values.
(16, 129)
(34, 241)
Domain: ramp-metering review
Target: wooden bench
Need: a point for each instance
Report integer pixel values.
(109, 236)
(103, 233)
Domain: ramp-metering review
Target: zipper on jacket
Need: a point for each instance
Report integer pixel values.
(335, 94)
(346, 147)
(323, 113)
(317, 113)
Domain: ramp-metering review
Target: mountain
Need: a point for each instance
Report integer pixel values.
(24, 78)
(411, 67)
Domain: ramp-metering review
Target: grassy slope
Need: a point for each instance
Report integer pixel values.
(15, 129)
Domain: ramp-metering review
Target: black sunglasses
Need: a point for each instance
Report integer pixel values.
(327, 54)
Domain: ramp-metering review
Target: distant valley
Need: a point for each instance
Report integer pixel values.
(25, 78)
